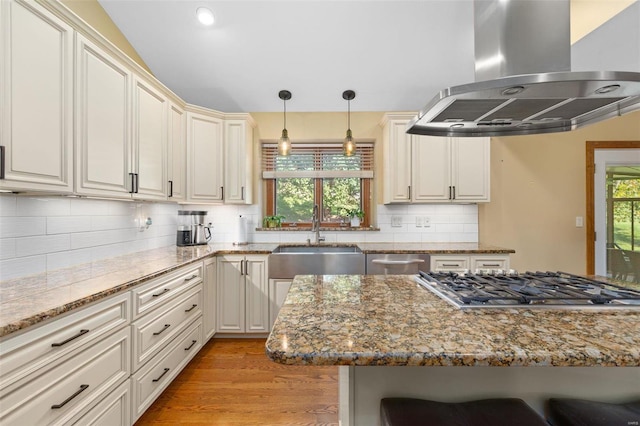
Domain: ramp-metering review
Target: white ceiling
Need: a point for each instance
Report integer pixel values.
(396, 55)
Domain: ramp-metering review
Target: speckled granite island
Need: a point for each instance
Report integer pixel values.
(392, 337)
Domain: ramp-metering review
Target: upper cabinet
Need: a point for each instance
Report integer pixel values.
(204, 156)
(238, 152)
(36, 99)
(428, 169)
(149, 142)
(103, 130)
(220, 157)
(177, 164)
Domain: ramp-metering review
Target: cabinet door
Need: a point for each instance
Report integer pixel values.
(204, 164)
(471, 169)
(36, 97)
(177, 154)
(238, 169)
(209, 294)
(449, 263)
(149, 142)
(431, 169)
(278, 289)
(256, 299)
(397, 158)
(103, 150)
(230, 311)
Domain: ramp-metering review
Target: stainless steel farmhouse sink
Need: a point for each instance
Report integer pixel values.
(287, 261)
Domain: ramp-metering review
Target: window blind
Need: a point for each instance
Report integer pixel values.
(317, 160)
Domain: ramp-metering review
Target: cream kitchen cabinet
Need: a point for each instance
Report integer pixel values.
(36, 98)
(177, 163)
(149, 142)
(242, 294)
(238, 165)
(209, 293)
(278, 289)
(474, 262)
(121, 129)
(425, 169)
(205, 152)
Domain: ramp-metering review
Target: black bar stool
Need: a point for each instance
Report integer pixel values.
(581, 412)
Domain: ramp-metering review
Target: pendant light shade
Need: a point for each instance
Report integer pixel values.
(349, 145)
(284, 144)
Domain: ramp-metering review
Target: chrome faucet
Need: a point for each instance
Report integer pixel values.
(315, 224)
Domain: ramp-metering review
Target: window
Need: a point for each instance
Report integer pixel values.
(317, 173)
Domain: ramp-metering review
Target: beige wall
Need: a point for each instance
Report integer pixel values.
(93, 14)
(538, 189)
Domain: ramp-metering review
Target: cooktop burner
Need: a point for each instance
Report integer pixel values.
(530, 289)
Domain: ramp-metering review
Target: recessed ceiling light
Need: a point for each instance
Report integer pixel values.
(205, 16)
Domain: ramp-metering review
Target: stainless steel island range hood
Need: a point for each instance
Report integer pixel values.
(523, 83)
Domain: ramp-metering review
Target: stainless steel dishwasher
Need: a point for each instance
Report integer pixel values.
(396, 263)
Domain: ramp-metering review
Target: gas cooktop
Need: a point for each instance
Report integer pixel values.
(528, 290)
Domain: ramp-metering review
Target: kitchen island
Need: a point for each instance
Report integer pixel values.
(393, 337)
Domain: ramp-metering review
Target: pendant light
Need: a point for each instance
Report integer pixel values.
(349, 145)
(284, 144)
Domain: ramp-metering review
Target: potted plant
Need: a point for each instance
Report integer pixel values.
(356, 216)
(272, 221)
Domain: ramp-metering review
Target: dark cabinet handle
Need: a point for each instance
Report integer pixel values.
(242, 193)
(166, 370)
(222, 192)
(161, 293)
(64, 342)
(193, 342)
(170, 188)
(2, 159)
(63, 403)
(455, 265)
(495, 265)
(449, 192)
(191, 308)
(191, 277)
(133, 183)
(157, 333)
(454, 193)
(137, 183)
(409, 192)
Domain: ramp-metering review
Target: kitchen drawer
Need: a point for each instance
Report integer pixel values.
(153, 331)
(158, 373)
(64, 392)
(113, 410)
(449, 263)
(156, 292)
(50, 344)
(489, 263)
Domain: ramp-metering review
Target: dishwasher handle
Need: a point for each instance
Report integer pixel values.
(397, 262)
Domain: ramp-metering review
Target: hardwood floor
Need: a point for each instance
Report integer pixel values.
(232, 382)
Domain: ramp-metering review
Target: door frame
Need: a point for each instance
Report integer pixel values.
(591, 146)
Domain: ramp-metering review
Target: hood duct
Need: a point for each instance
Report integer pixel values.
(523, 80)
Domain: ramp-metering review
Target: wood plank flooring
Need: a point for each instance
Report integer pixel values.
(232, 382)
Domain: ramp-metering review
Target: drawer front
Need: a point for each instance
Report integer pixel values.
(66, 391)
(488, 263)
(157, 292)
(152, 332)
(113, 410)
(158, 373)
(50, 344)
(449, 263)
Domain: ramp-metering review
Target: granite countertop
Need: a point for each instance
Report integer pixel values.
(378, 320)
(27, 301)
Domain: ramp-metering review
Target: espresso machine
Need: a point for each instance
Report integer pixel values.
(192, 230)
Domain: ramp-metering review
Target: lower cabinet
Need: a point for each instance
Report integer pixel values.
(242, 303)
(209, 293)
(475, 262)
(278, 289)
(114, 409)
(151, 379)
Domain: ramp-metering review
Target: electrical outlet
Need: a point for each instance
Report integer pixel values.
(396, 221)
(419, 221)
(426, 221)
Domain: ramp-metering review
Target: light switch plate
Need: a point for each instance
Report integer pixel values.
(419, 221)
(396, 221)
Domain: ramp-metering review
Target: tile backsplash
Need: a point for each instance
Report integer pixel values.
(39, 234)
(43, 233)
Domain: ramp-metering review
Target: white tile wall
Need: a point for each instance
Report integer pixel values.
(447, 223)
(39, 234)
